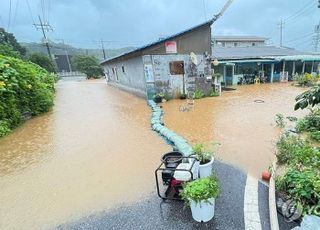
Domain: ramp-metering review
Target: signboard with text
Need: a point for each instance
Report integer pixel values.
(171, 47)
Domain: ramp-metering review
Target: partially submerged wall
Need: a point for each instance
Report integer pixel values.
(127, 75)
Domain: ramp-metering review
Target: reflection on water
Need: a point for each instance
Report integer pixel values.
(245, 129)
(95, 150)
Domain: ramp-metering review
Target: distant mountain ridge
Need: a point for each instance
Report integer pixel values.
(59, 49)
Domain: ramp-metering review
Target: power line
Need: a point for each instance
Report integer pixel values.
(299, 11)
(30, 12)
(15, 12)
(300, 37)
(9, 21)
(204, 10)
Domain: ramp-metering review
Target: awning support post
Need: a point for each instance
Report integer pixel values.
(271, 74)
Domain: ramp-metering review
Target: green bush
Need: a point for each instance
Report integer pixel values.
(310, 123)
(301, 179)
(25, 88)
(315, 135)
(198, 94)
(201, 190)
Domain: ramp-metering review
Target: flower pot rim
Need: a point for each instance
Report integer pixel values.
(209, 163)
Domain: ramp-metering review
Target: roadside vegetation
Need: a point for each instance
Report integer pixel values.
(299, 157)
(26, 90)
(88, 65)
(306, 79)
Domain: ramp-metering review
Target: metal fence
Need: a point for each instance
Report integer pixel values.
(72, 74)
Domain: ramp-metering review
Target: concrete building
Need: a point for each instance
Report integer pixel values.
(173, 65)
(238, 41)
(270, 63)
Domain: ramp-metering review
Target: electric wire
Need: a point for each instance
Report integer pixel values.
(9, 20)
(30, 11)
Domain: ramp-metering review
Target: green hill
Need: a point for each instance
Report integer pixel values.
(59, 49)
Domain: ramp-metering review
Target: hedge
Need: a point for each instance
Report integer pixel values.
(25, 89)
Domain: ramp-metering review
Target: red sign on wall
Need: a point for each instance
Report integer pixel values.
(171, 47)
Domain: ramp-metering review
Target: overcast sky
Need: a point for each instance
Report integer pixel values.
(138, 22)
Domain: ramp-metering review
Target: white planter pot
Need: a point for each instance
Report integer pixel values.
(206, 169)
(203, 211)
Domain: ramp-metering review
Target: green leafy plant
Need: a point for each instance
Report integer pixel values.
(204, 152)
(280, 120)
(315, 135)
(214, 94)
(201, 189)
(309, 98)
(198, 94)
(24, 88)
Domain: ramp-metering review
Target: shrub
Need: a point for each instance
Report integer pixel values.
(24, 88)
(201, 189)
(214, 94)
(315, 135)
(198, 94)
(303, 186)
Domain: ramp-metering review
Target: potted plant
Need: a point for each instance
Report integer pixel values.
(206, 159)
(200, 195)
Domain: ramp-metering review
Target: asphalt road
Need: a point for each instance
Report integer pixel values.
(153, 213)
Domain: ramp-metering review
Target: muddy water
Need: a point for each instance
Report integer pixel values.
(94, 151)
(245, 129)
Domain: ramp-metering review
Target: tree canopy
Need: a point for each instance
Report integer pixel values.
(10, 40)
(88, 65)
(43, 61)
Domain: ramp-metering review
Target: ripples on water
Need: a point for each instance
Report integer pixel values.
(95, 150)
(245, 129)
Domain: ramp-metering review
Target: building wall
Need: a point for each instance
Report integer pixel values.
(167, 83)
(132, 79)
(197, 41)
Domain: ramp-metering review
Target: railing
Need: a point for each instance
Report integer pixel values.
(72, 74)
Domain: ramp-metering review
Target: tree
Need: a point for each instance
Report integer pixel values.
(310, 97)
(7, 50)
(88, 65)
(10, 40)
(43, 61)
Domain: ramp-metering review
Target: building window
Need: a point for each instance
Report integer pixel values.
(253, 44)
(235, 44)
(176, 67)
(123, 70)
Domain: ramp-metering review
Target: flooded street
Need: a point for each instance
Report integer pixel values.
(94, 151)
(245, 129)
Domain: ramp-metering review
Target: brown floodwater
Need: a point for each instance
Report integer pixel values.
(245, 129)
(93, 151)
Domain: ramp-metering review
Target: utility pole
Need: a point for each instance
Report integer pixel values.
(281, 24)
(317, 37)
(44, 27)
(102, 47)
